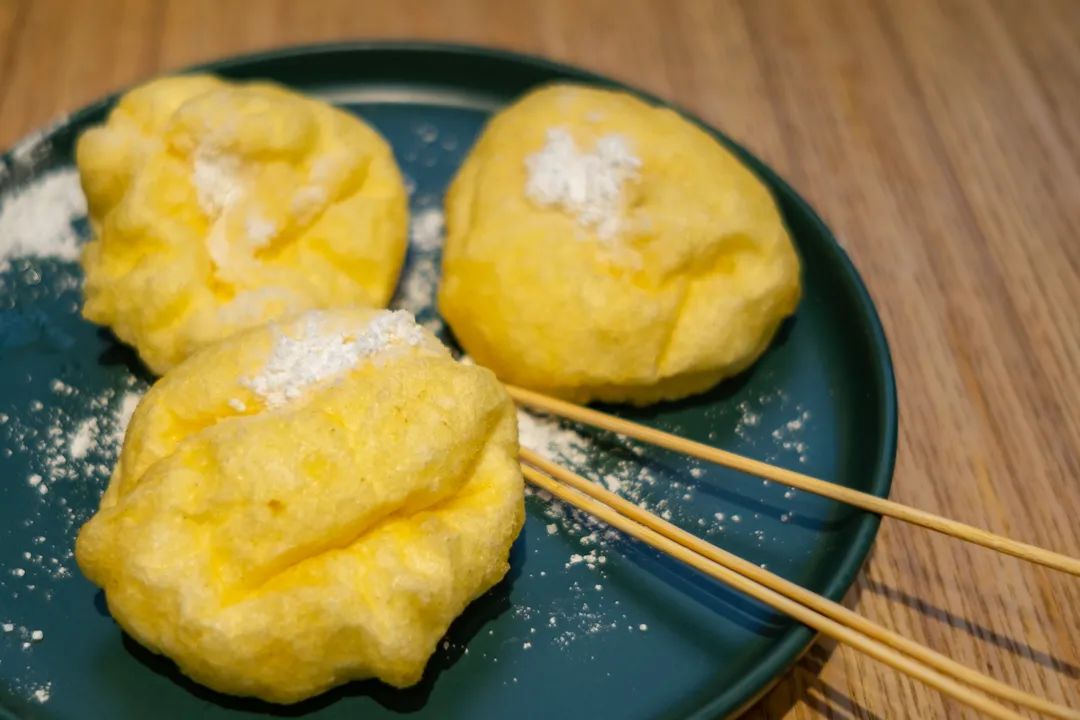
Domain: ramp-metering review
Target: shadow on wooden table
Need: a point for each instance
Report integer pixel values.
(803, 683)
(980, 632)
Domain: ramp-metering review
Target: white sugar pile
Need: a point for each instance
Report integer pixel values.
(322, 354)
(588, 185)
(215, 177)
(36, 221)
(218, 187)
(83, 437)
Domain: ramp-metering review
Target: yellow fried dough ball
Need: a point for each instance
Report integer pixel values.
(218, 206)
(307, 503)
(598, 247)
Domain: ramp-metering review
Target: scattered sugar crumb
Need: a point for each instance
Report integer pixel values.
(420, 281)
(427, 133)
(81, 440)
(123, 414)
(426, 229)
(418, 287)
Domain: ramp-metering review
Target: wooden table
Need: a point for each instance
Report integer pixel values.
(939, 140)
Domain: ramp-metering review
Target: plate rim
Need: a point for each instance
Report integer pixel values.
(790, 646)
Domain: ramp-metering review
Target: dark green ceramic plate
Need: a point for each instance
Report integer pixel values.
(587, 624)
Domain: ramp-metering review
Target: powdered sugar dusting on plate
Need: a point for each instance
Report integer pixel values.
(420, 278)
(36, 220)
(69, 439)
(584, 609)
(426, 229)
(420, 281)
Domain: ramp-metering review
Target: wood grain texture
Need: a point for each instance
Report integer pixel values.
(938, 139)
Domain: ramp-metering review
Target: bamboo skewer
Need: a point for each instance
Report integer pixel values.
(803, 614)
(833, 610)
(797, 480)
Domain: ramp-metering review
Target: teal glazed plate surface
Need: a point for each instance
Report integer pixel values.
(587, 623)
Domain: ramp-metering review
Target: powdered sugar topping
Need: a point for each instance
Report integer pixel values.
(216, 183)
(322, 352)
(260, 231)
(588, 185)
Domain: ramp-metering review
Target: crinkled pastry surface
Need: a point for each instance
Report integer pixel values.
(218, 206)
(601, 248)
(308, 503)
